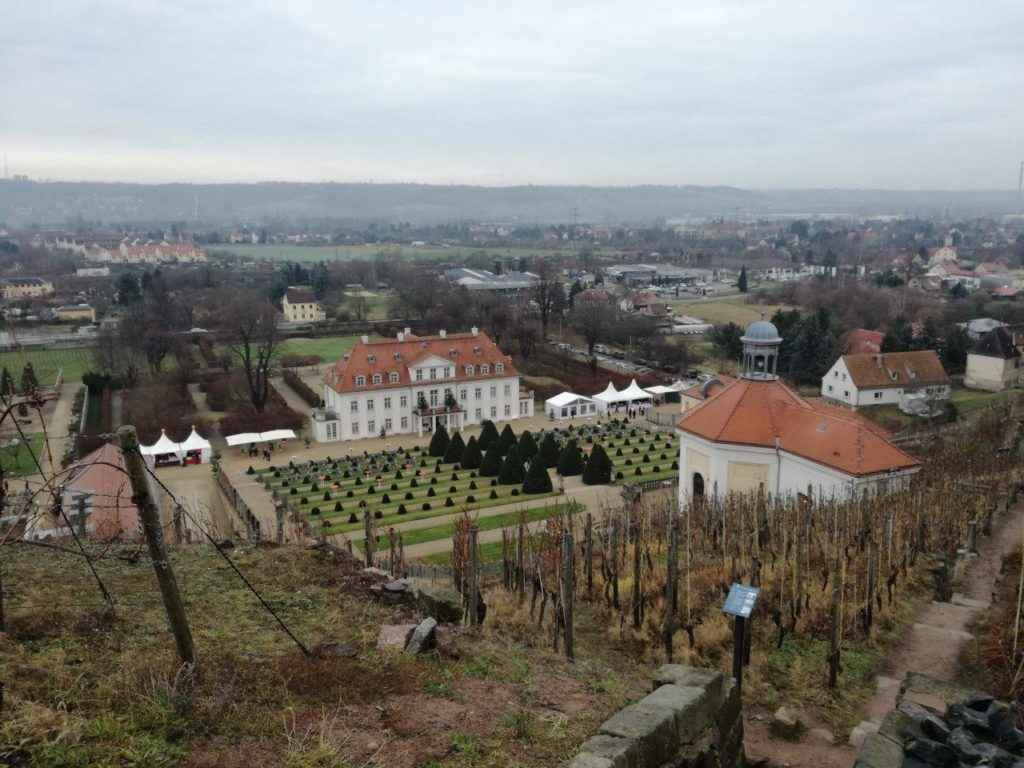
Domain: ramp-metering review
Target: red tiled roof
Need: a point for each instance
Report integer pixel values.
(862, 341)
(300, 296)
(101, 475)
(457, 349)
(768, 414)
(896, 369)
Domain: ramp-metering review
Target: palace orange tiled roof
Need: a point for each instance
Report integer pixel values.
(393, 356)
(769, 414)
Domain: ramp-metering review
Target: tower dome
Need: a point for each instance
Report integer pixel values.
(761, 343)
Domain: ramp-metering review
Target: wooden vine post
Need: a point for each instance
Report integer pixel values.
(567, 595)
(588, 556)
(670, 587)
(368, 542)
(154, 533)
(474, 590)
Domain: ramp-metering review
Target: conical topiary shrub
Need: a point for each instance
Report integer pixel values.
(439, 442)
(527, 445)
(456, 447)
(471, 456)
(511, 472)
(549, 451)
(537, 478)
(491, 465)
(599, 468)
(570, 460)
(488, 435)
(507, 439)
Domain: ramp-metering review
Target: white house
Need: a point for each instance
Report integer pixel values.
(995, 363)
(410, 384)
(756, 434)
(904, 379)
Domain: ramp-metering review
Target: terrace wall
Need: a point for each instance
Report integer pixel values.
(693, 718)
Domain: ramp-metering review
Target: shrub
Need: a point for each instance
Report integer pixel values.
(675, 465)
(433, 481)
(426, 506)
(638, 472)
(250, 470)
(470, 499)
(452, 489)
(629, 462)
(401, 509)
(455, 477)
(327, 495)
(303, 500)
(494, 482)
(448, 502)
(549, 450)
(385, 499)
(570, 461)
(511, 472)
(472, 485)
(599, 468)
(471, 456)
(618, 452)
(507, 439)
(527, 445)
(293, 491)
(305, 392)
(299, 361)
(491, 465)
(430, 492)
(456, 447)
(315, 511)
(337, 506)
(537, 478)
(656, 468)
(439, 442)
(488, 434)
(398, 474)
(408, 495)
(378, 515)
(414, 483)
(352, 518)
(349, 494)
(618, 475)
(394, 487)
(359, 480)
(494, 494)
(515, 491)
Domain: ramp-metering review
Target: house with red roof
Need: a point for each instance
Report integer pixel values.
(758, 435)
(411, 384)
(904, 379)
(861, 341)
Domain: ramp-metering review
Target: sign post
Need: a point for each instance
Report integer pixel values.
(739, 604)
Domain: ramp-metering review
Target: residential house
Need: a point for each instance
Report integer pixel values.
(995, 362)
(861, 341)
(13, 288)
(410, 384)
(75, 313)
(979, 326)
(909, 380)
(300, 305)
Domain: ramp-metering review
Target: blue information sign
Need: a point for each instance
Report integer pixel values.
(740, 601)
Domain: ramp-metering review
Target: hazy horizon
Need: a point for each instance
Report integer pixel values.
(756, 96)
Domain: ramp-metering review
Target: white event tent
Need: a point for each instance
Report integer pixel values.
(612, 399)
(195, 449)
(245, 438)
(568, 405)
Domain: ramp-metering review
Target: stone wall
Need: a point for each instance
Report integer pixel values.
(691, 719)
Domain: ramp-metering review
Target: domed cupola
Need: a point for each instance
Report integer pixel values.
(760, 351)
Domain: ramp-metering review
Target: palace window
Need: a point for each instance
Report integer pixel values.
(360, 381)
(403, 401)
(393, 377)
(499, 368)
(354, 407)
(369, 405)
(377, 378)
(387, 403)
(469, 370)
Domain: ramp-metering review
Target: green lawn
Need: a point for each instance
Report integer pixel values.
(489, 553)
(328, 348)
(17, 460)
(507, 520)
(733, 309)
(46, 362)
(968, 400)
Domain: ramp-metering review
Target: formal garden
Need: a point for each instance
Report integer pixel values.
(451, 475)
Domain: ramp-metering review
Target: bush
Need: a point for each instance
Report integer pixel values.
(675, 465)
(452, 489)
(426, 506)
(430, 492)
(352, 518)
(507, 439)
(448, 502)
(494, 494)
(599, 468)
(349, 494)
(570, 460)
(488, 434)
(305, 392)
(394, 487)
(315, 511)
(408, 495)
(414, 483)
(511, 472)
(433, 481)
(618, 475)
(471, 456)
(549, 450)
(327, 495)
(401, 509)
(515, 491)
(456, 447)
(378, 515)
(638, 472)
(439, 442)
(527, 445)
(470, 499)
(472, 485)
(250, 470)
(385, 499)
(303, 500)
(337, 506)
(537, 479)
(398, 474)
(491, 465)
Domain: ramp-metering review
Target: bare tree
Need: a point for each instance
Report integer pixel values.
(248, 323)
(593, 321)
(547, 292)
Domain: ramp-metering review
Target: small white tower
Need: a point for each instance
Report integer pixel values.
(760, 351)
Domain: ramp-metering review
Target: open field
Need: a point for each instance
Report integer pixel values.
(328, 348)
(46, 362)
(969, 400)
(720, 311)
(386, 251)
(17, 460)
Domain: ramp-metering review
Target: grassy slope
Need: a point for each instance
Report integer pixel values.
(328, 348)
(87, 689)
(17, 461)
(46, 363)
(733, 309)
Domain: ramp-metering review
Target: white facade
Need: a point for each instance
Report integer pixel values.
(300, 311)
(366, 414)
(708, 469)
(993, 374)
(838, 386)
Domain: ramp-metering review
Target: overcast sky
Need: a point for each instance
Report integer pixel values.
(865, 93)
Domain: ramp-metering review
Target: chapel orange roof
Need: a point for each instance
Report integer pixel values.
(769, 414)
(102, 477)
(464, 352)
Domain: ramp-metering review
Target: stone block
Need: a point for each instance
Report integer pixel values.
(879, 751)
(606, 751)
(653, 729)
(422, 638)
(786, 724)
(864, 729)
(443, 604)
(731, 708)
(677, 674)
(394, 636)
(692, 706)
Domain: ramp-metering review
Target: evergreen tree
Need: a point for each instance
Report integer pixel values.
(456, 447)
(439, 442)
(491, 464)
(527, 445)
(599, 468)
(488, 434)
(511, 472)
(548, 450)
(742, 282)
(537, 478)
(815, 348)
(471, 456)
(29, 384)
(899, 337)
(507, 439)
(954, 349)
(570, 460)
(6, 384)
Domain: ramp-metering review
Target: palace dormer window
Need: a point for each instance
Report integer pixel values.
(393, 377)
(469, 370)
(377, 378)
(419, 374)
(499, 368)
(360, 381)
(476, 350)
(371, 359)
(485, 369)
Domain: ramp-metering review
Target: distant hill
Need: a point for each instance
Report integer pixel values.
(55, 203)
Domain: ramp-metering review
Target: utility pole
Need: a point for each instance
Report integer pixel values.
(157, 549)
